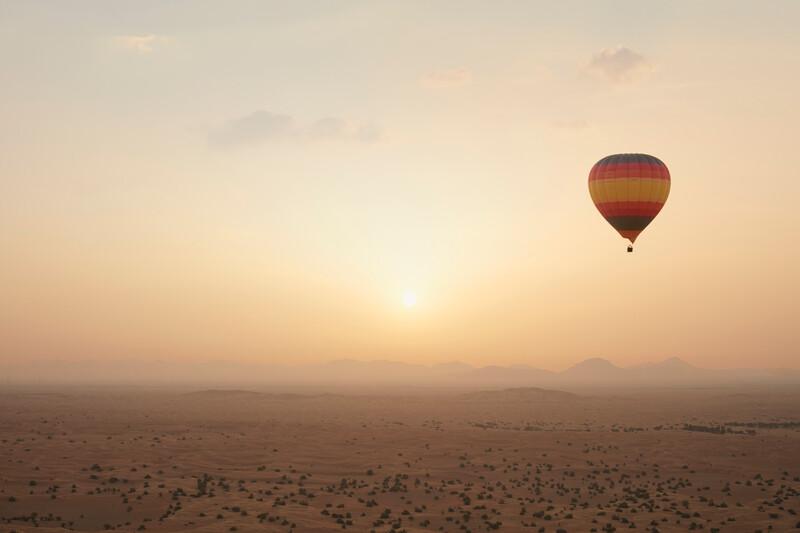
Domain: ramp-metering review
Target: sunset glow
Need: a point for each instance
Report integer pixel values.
(409, 299)
(268, 183)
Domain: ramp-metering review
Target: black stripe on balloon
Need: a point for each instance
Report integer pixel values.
(635, 223)
(630, 158)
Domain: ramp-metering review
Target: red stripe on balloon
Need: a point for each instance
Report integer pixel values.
(629, 170)
(619, 209)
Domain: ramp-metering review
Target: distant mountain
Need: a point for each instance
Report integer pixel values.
(675, 362)
(593, 369)
(672, 372)
(349, 370)
(455, 367)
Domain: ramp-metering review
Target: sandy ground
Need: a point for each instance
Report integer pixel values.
(435, 461)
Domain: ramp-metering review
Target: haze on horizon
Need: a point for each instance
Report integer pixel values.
(301, 182)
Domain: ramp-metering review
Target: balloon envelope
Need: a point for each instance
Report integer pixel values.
(629, 190)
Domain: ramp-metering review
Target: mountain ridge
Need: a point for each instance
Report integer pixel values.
(592, 371)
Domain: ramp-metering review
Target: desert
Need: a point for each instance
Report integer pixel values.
(522, 459)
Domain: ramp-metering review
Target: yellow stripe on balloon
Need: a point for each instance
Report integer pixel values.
(629, 190)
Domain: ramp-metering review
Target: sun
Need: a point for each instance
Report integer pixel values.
(409, 299)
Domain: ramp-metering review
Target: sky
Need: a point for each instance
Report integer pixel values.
(297, 182)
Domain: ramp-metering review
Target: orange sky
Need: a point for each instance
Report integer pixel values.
(267, 181)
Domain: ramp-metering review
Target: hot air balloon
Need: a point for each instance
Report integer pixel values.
(629, 190)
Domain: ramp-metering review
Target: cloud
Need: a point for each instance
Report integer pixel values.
(265, 126)
(618, 64)
(453, 77)
(256, 127)
(140, 44)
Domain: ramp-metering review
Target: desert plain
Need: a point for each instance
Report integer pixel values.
(525, 459)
